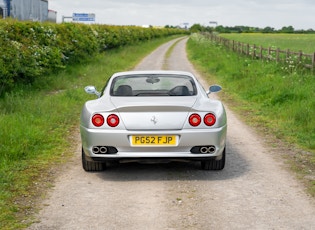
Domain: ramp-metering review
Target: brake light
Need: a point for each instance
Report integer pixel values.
(98, 120)
(209, 119)
(194, 120)
(112, 120)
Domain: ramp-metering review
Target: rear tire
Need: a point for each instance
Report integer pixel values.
(214, 164)
(92, 166)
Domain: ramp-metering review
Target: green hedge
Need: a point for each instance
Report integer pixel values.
(29, 50)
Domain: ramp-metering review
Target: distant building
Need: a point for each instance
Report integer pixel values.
(25, 10)
(52, 16)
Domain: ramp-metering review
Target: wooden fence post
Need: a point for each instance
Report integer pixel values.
(278, 55)
(300, 57)
(254, 52)
(287, 57)
(240, 47)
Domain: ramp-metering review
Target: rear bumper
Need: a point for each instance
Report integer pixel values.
(120, 139)
(151, 159)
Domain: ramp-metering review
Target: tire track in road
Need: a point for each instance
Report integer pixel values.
(254, 191)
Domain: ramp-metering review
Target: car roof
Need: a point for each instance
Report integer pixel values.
(174, 72)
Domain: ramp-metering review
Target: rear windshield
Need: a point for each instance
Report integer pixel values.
(153, 85)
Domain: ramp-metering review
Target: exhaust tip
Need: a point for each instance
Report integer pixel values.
(203, 149)
(103, 149)
(96, 149)
(211, 149)
(207, 149)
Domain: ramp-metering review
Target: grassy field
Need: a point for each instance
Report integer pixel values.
(37, 122)
(280, 104)
(294, 42)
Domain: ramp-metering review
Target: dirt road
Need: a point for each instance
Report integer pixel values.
(254, 191)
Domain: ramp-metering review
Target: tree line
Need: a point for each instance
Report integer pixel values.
(247, 29)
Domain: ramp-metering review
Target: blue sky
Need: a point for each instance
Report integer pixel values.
(257, 13)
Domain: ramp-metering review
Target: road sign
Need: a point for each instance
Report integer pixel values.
(83, 17)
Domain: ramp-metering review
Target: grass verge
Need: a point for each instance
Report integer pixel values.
(37, 123)
(169, 52)
(278, 103)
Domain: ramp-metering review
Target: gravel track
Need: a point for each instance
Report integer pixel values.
(254, 191)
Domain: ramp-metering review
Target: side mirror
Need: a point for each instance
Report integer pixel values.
(214, 89)
(92, 90)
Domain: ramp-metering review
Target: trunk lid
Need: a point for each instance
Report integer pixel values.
(153, 113)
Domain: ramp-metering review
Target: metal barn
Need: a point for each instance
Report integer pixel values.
(33, 10)
(4, 8)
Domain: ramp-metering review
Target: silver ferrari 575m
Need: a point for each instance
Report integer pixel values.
(153, 115)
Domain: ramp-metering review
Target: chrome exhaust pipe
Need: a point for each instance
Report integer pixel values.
(211, 149)
(203, 149)
(207, 149)
(95, 149)
(103, 149)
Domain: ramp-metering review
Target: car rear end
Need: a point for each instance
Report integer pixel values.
(159, 116)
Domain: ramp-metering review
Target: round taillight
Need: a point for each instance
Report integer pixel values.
(112, 120)
(209, 119)
(98, 120)
(194, 120)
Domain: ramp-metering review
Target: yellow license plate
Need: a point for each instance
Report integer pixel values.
(168, 140)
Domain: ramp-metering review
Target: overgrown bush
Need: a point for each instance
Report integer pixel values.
(29, 50)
